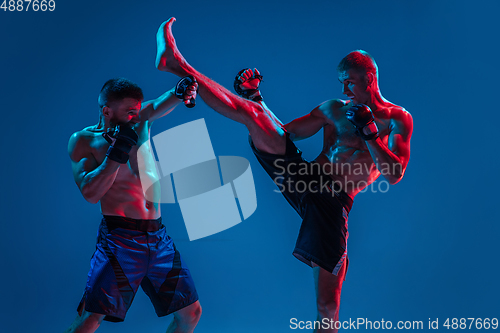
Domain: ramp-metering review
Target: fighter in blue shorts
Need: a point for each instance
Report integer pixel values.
(363, 137)
(133, 248)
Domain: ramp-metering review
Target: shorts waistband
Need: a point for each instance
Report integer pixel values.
(113, 222)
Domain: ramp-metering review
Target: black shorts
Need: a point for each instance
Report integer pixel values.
(324, 209)
(130, 253)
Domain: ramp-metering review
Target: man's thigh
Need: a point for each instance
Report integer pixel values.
(267, 137)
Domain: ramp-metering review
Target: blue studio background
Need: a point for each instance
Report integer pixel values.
(428, 248)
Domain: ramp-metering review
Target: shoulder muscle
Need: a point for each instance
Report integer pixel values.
(329, 108)
(402, 122)
(79, 145)
(82, 159)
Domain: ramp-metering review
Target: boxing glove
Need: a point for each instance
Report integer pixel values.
(125, 138)
(181, 90)
(244, 76)
(361, 116)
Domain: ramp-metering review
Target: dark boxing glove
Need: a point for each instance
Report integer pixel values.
(125, 138)
(251, 94)
(181, 88)
(362, 117)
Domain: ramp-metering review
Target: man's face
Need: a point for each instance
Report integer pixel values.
(354, 86)
(125, 111)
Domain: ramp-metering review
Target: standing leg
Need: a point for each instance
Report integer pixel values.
(328, 288)
(86, 322)
(185, 319)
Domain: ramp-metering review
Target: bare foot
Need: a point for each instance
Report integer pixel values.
(168, 57)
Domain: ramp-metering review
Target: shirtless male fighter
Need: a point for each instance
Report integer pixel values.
(132, 246)
(364, 137)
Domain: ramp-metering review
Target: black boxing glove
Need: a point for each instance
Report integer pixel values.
(125, 138)
(243, 76)
(362, 117)
(181, 90)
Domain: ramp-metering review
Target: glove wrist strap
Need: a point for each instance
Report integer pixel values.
(117, 155)
(256, 96)
(370, 131)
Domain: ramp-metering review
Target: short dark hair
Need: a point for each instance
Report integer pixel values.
(117, 89)
(358, 60)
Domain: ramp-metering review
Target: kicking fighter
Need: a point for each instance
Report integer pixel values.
(132, 245)
(364, 137)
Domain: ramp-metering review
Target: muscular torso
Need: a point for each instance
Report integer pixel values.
(345, 156)
(126, 197)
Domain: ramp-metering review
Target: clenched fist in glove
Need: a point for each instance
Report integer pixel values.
(186, 89)
(362, 117)
(124, 139)
(246, 84)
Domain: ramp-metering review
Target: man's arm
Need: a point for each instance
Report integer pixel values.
(247, 85)
(164, 104)
(92, 179)
(308, 125)
(391, 160)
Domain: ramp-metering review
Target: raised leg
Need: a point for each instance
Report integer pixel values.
(266, 134)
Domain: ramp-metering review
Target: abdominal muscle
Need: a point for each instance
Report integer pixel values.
(126, 197)
(353, 169)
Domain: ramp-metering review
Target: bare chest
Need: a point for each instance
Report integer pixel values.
(341, 135)
(141, 159)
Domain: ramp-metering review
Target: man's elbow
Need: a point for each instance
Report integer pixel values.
(89, 195)
(92, 200)
(394, 173)
(394, 178)
(394, 181)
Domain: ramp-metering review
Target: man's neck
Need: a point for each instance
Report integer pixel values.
(103, 124)
(377, 101)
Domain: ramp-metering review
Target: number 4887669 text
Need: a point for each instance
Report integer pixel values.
(28, 5)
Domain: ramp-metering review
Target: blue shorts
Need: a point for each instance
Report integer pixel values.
(126, 258)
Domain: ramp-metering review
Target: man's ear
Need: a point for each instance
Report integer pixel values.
(369, 79)
(106, 112)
